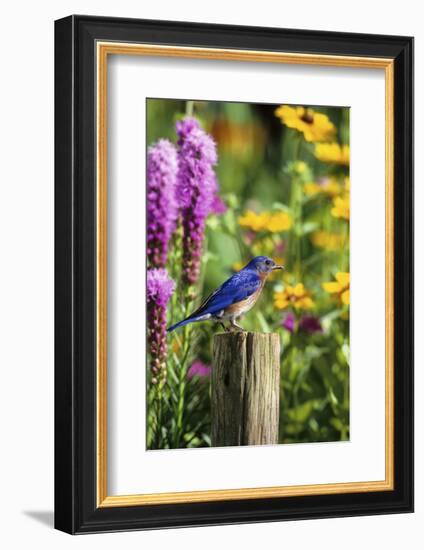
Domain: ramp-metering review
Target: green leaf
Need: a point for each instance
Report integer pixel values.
(308, 227)
(302, 412)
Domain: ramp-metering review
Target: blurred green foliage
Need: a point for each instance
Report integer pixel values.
(268, 169)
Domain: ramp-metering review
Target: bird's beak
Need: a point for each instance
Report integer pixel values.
(276, 266)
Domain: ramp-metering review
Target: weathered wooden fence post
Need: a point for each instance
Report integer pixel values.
(245, 389)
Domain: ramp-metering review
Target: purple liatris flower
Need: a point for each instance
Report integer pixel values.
(159, 290)
(196, 189)
(198, 368)
(310, 323)
(161, 203)
(218, 206)
(289, 321)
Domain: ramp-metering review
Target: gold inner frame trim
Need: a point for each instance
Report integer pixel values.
(104, 49)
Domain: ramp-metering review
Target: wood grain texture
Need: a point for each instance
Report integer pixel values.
(245, 398)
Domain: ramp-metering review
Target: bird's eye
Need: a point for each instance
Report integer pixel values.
(268, 262)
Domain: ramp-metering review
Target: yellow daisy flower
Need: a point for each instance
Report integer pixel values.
(296, 296)
(347, 183)
(333, 153)
(339, 287)
(341, 204)
(328, 241)
(341, 207)
(314, 126)
(329, 186)
(253, 221)
(265, 221)
(280, 221)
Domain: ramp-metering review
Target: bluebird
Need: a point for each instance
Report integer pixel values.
(234, 297)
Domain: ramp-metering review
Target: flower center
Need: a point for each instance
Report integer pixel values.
(307, 117)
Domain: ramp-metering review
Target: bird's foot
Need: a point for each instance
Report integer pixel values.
(225, 328)
(237, 327)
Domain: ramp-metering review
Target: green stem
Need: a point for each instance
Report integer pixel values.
(182, 382)
(156, 421)
(296, 210)
(189, 108)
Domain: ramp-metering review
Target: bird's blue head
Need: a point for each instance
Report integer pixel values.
(263, 264)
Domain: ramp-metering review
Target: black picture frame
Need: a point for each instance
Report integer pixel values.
(76, 510)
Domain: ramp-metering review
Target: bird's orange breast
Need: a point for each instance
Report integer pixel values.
(263, 276)
(244, 305)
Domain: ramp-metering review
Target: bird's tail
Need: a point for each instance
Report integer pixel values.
(181, 323)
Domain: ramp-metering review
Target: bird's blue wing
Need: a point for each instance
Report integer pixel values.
(237, 288)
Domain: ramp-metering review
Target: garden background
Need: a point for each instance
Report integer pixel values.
(227, 182)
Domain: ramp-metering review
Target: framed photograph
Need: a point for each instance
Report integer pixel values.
(234, 274)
